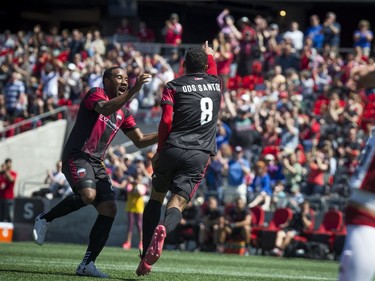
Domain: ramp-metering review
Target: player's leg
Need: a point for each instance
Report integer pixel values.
(80, 176)
(151, 217)
(161, 180)
(357, 259)
(106, 206)
(184, 183)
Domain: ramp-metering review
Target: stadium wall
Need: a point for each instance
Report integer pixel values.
(33, 153)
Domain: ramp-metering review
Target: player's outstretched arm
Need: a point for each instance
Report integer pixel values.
(141, 140)
(111, 106)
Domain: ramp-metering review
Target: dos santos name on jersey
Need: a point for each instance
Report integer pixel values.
(201, 87)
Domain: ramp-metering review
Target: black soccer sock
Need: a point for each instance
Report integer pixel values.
(98, 237)
(172, 218)
(151, 217)
(70, 203)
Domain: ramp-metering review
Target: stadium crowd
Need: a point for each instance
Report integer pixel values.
(291, 125)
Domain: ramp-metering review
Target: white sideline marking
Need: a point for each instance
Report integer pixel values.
(185, 270)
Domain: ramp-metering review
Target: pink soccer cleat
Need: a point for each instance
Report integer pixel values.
(143, 268)
(153, 252)
(156, 246)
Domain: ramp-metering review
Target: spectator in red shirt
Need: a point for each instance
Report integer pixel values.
(7, 180)
(173, 30)
(223, 57)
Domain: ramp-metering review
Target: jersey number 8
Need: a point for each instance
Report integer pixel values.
(206, 108)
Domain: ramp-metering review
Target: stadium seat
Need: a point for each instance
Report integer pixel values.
(267, 235)
(331, 225)
(257, 224)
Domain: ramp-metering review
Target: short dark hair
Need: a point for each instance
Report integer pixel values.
(107, 74)
(7, 160)
(195, 60)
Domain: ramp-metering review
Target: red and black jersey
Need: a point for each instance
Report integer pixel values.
(195, 99)
(93, 132)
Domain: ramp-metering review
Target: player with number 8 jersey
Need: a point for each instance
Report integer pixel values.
(195, 99)
(187, 139)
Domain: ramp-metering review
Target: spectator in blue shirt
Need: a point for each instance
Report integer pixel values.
(215, 178)
(315, 32)
(363, 37)
(238, 171)
(223, 134)
(261, 186)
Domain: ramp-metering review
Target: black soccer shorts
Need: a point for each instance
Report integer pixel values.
(80, 168)
(180, 171)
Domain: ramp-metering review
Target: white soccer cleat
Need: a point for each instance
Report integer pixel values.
(90, 270)
(40, 230)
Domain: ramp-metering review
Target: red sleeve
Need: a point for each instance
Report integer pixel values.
(211, 65)
(165, 125)
(93, 97)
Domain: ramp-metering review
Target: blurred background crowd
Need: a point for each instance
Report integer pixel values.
(291, 127)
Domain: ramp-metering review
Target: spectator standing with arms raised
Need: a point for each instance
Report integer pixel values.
(331, 32)
(187, 139)
(314, 31)
(101, 115)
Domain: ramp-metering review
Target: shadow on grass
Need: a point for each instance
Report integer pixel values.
(58, 273)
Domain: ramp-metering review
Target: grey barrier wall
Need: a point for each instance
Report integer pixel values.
(33, 152)
(72, 228)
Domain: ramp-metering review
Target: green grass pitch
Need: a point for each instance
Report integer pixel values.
(28, 261)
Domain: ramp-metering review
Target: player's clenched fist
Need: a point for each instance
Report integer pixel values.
(142, 79)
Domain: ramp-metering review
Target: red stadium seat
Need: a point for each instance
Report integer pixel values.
(331, 225)
(257, 224)
(267, 235)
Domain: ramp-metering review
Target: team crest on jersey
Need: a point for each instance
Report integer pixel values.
(198, 78)
(119, 117)
(81, 172)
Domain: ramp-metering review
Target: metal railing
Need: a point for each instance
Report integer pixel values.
(31, 123)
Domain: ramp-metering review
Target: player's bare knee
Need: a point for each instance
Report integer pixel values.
(177, 201)
(88, 195)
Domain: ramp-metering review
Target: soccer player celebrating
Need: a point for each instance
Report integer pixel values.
(187, 133)
(357, 259)
(100, 116)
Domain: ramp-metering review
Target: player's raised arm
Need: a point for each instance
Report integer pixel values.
(210, 59)
(121, 95)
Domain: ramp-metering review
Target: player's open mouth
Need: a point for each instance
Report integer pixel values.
(122, 90)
